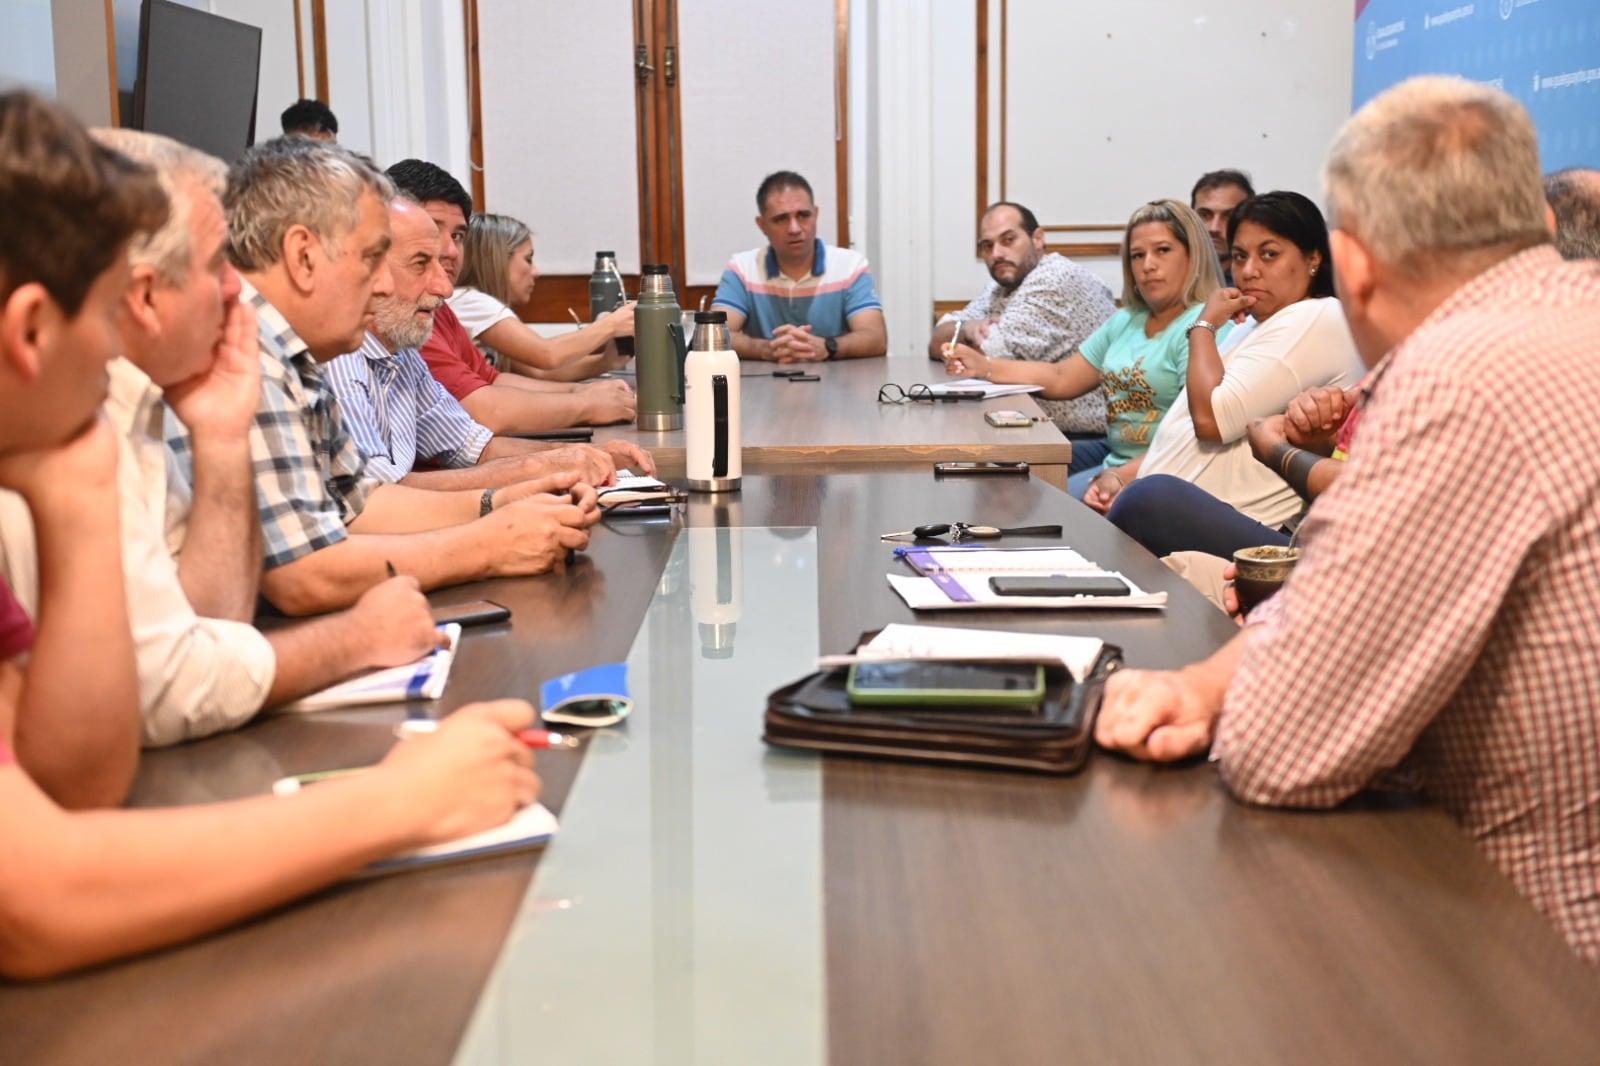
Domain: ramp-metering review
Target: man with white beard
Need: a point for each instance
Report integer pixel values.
(394, 410)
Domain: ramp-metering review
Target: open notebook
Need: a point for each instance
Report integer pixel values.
(990, 389)
(957, 578)
(530, 827)
(422, 680)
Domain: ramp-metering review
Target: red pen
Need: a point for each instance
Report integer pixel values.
(543, 739)
(539, 739)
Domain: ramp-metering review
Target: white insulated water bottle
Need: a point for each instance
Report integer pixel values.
(714, 459)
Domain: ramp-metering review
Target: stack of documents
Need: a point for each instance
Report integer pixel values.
(958, 578)
(900, 642)
(989, 389)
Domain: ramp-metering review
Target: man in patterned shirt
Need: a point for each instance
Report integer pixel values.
(81, 888)
(1039, 306)
(308, 229)
(398, 414)
(187, 344)
(1442, 618)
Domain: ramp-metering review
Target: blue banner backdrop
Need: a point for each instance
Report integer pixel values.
(1546, 53)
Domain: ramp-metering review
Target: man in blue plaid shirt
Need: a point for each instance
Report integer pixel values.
(400, 417)
(309, 232)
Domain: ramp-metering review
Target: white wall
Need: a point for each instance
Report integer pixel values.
(1179, 86)
(349, 90)
(558, 132)
(1098, 123)
(743, 119)
(415, 101)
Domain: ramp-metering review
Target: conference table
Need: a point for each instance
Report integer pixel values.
(838, 423)
(711, 900)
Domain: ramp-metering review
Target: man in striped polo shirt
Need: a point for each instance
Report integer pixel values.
(798, 300)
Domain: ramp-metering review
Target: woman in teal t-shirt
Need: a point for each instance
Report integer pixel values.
(1141, 354)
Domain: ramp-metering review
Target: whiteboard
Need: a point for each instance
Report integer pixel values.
(757, 94)
(558, 127)
(1114, 103)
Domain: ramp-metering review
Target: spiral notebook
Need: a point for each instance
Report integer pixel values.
(951, 578)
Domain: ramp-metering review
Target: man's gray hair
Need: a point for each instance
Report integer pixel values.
(1434, 170)
(182, 171)
(1574, 195)
(290, 181)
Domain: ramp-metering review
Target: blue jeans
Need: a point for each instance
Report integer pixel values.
(1088, 452)
(1167, 514)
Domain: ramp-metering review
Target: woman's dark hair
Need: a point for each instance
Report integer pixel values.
(1296, 219)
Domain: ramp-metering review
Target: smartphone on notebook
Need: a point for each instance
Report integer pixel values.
(936, 684)
(472, 613)
(1058, 585)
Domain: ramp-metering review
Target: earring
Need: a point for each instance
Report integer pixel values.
(1313, 271)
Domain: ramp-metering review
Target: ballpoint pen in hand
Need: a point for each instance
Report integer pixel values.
(541, 739)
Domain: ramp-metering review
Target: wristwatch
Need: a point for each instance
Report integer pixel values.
(831, 345)
(1201, 323)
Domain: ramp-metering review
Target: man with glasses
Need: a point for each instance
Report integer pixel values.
(799, 300)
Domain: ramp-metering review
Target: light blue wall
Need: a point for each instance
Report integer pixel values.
(1546, 53)
(27, 47)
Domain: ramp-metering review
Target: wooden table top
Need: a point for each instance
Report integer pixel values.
(838, 421)
(1128, 914)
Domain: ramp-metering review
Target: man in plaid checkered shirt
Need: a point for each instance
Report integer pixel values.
(1445, 615)
(308, 230)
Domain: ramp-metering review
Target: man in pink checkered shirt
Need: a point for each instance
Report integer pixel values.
(1445, 616)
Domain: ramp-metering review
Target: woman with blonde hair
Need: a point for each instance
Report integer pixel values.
(1141, 353)
(497, 271)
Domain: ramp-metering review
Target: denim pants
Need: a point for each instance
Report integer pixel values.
(1167, 514)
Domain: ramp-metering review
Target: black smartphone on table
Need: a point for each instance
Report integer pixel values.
(472, 613)
(1058, 585)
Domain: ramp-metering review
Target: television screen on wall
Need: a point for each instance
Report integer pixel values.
(197, 80)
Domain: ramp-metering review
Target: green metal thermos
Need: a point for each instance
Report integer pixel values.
(606, 294)
(657, 362)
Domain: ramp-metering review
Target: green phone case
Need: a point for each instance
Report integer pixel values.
(929, 684)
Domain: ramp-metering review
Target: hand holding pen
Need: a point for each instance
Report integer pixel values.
(469, 774)
(532, 739)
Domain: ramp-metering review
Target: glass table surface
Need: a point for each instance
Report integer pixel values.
(677, 916)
